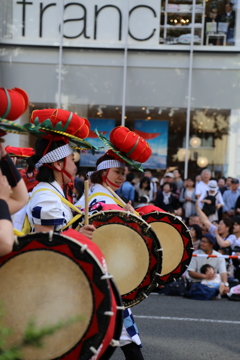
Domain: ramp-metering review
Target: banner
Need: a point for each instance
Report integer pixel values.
(104, 126)
(155, 132)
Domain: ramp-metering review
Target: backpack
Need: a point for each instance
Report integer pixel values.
(210, 209)
(200, 291)
(176, 288)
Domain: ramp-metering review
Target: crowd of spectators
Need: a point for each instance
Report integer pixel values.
(209, 207)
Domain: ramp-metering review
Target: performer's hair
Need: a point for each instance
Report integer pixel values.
(96, 176)
(45, 173)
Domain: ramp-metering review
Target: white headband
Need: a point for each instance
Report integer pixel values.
(55, 155)
(108, 164)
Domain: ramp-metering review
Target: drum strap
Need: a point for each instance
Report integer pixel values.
(103, 194)
(112, 197)
(66, 202)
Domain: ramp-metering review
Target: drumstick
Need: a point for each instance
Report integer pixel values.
(116, 196)
(86, 186)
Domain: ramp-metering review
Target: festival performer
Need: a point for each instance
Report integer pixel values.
(110, 173)
(48, 208)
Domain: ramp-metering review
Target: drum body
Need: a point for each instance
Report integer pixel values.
(176, 244)
(131, 249)
(51, 278)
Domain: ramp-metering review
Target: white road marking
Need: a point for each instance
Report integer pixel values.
(186, 319)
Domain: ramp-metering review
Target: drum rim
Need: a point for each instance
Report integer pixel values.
(142, 291)
(96, 339)
(118, 322)
(171, 276)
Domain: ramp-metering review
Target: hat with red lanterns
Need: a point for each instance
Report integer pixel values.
(59, 124)
(127, 146)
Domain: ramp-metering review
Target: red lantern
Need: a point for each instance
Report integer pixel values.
(13, 103)
(62, 120)
(133, 145)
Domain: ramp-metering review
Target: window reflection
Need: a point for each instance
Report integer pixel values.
(214, 22)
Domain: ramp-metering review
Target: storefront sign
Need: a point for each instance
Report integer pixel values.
(87, 23)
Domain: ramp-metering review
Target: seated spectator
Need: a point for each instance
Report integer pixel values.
(230, 198)
(219, 265)
(202, 186)
(188, 199)
(214, 281)
(167, 201)
(127, 190)
(196, 234)
(223, 233)
(143, 188)
(212, 201)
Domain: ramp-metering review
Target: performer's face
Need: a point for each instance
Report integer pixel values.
(115, 177)
(70, 167)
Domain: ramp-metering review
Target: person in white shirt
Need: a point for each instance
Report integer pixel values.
(202, 186)
(219, 265)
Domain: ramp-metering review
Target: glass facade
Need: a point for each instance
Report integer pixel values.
(174, 73)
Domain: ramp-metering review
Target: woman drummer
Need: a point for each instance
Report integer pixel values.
(110, 173)
(48, 208)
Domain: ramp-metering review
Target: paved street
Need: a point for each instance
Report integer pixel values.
(175, 328)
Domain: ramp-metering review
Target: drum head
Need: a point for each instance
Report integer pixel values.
(49, 280)
(176, 244)
(129, 246)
